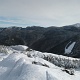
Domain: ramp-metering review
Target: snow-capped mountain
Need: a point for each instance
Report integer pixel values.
(22, 63)
(77, 25)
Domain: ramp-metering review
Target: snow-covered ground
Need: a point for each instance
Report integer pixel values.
(16, 63)
(69, 49)
(19, 47)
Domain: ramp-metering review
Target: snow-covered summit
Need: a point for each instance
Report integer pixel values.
(22, 64)
(77, 25)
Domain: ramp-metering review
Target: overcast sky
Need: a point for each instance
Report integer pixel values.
(39, 12)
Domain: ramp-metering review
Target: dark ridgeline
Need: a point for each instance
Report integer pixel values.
(51, 39)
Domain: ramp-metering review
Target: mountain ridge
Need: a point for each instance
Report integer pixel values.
(19, 63)
(51, 39)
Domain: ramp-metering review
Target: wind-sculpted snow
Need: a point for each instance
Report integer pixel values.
(33, 65)
(19, 67)
(58, 60)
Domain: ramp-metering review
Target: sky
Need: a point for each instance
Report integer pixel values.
(45, 13)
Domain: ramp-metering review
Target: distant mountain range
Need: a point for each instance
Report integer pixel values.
(58, 40)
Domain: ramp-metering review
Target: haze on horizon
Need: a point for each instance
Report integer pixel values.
(39, 12)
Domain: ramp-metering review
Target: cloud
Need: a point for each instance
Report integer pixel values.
(41, 12)
(6, 22)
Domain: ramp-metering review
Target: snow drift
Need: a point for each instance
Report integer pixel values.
(19, 64)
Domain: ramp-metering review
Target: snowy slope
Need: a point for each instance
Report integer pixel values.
(30, 65)
(69, 49)
(19, 47)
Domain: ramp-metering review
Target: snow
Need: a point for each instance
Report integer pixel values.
(69, 49)
(31, 65)
(19, 47)
(58, 60)
(77, 25)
